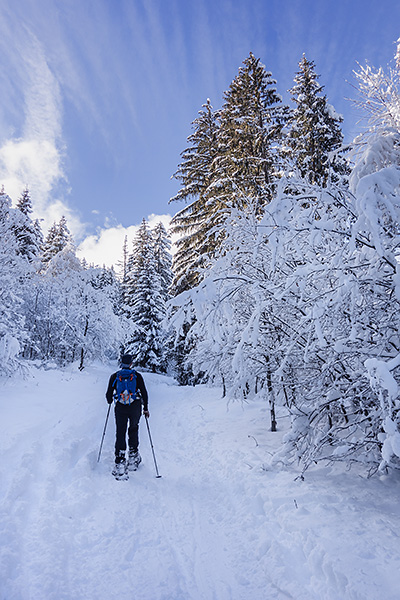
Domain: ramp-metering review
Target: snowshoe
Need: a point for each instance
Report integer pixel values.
(134, 460)
(120, 471)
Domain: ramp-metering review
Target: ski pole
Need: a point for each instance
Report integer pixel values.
(152, 447)
(104, 432)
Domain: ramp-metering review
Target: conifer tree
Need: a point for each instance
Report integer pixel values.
(234, 155)
(315, 128)
(191, 224)
(24, 203)
(162, 254)
(12, 275)
(252, 119)
(124, 267)
(123, 278)
(234, 162)
(38, 235)
(57, 239)
(146, 302)
(27, 232)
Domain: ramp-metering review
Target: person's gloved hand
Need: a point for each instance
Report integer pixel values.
(146, 413)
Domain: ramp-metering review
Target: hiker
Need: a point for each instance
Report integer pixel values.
(127, 388)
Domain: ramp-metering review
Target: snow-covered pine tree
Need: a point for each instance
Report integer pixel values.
(192, 223)
(13, 271)
(29, 238)
(163, 258)
(27, 232)
(315, 131)
(245, 161)
(251, 123)
(57, 239)
(123, 270)
(38, 236)
(235, 155)
(145, 302)
(182, 339)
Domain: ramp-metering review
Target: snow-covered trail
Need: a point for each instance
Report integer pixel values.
(217, 526)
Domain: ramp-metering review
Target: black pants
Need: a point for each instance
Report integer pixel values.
(123, 414)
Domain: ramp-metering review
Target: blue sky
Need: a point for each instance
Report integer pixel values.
(98, 96)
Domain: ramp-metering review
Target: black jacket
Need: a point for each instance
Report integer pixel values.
(139, 386)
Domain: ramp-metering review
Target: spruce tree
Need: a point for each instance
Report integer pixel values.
(252, 119)
(146, 303)
(315, 128)
(162, 254)
(27, 232)
(191, 224)
(123, 265)
(13, 271)
(57, 239)
(234, 156)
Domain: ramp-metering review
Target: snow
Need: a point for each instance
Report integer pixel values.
(333, 113)
(221, 523)
(380, 375)
(9, 348)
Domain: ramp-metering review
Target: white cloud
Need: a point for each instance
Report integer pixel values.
(34, 158)
(31, 162)
(105, 247)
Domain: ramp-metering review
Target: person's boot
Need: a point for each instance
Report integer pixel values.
(120, 470)
(134, 459)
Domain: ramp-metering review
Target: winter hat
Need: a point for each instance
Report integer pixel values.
(127, 359)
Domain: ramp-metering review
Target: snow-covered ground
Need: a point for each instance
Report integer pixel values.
(219, 525)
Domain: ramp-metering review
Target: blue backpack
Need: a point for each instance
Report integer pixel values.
(126, 386)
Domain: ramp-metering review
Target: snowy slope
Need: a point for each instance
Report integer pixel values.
(219, 525)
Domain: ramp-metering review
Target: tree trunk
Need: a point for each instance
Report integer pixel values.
(81, 367)
(271, 400)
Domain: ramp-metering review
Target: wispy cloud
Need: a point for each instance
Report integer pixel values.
(74, 57)
(33, 156)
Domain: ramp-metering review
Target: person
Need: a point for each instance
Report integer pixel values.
(125, 413)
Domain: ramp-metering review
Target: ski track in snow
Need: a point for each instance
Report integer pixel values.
(219, 525)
